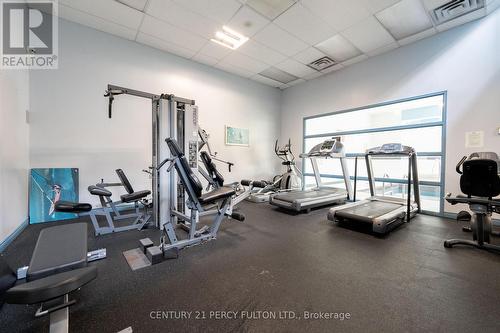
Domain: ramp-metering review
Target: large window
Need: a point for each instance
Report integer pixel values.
(416, 122)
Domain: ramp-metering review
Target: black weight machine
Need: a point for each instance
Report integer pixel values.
(480, 182)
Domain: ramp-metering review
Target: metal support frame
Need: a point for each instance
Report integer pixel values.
(190, 220)
(162, 127)
(411, 180)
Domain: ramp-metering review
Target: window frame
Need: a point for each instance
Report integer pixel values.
(441, 154)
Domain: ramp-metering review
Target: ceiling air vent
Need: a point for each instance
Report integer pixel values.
(454, 9)
(322, 63)
(278, 75)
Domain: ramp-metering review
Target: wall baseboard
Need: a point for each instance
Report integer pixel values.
(4, 243)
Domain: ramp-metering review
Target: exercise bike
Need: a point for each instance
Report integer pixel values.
(290, 180)
(480, 182)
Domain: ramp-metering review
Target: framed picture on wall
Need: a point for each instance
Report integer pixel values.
(237, 136)
(47, 186)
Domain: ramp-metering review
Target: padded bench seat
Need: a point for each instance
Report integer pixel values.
(59, 249)
(134, 196)
(72, 207)
(51, 287)
(215, 195)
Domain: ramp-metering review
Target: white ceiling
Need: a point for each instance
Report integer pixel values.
(287, 36)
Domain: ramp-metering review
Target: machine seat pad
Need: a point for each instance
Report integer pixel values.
(135, 196)
(216, 195)
(59, 249)
(96, 190)
(50, 287)
(72, 207)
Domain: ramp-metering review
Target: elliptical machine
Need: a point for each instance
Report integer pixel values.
(480, 182)
(290, 180)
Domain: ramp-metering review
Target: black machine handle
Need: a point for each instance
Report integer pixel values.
(460, 164)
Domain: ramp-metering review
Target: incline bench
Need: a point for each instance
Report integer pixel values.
(58, 267)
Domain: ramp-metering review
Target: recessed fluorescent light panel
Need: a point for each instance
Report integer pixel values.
(229, 38)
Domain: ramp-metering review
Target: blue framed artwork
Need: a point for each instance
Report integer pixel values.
(47, 186)
(237, 136)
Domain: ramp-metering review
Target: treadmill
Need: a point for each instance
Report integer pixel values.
(384, 213)
(305, 200)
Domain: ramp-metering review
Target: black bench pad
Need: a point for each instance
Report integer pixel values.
(96, 190)
(59, 249)
(72, 207)
(215, 195)
(134, 196)
(50, 287)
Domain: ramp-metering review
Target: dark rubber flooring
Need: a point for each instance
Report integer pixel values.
(405, 282)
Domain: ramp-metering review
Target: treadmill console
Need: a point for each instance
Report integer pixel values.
(390, 148)
(328, 146)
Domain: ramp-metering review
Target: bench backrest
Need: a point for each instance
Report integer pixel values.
(211, 168)
(480, 178)
(124, 180)
(188, 178)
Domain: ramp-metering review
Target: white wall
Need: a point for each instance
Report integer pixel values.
(14, 158)
(464, 61)
(70, 127)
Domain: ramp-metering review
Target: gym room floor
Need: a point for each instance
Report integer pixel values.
(405, 282)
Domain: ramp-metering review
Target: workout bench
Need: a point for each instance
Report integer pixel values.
(110, 210)
(58, 267)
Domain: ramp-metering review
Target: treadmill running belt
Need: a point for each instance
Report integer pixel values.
(308, 195)
(368, 210)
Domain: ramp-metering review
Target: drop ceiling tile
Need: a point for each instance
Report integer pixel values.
(242, 61)
(309, 55)
(169, 33)
(261, 52)
(215, 50)
(270, 8)
(218, 10)
(108, 10)
(280, 40)
(267, 81)
(491, 6)
(296, 82)
(339, 14)
(302, 23)
(334, 68)
(234, 70)
(313, 76)
(339, 48)
(375, 6)
(247, 21)
(417, 37)
(95, 22)
(173, 13)
(278, 75)
(368, 35)
(405, 18)
(383, 49)
(204, 59)
(294, 67)
(354, 60)
(136, 4)
(164, 46)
